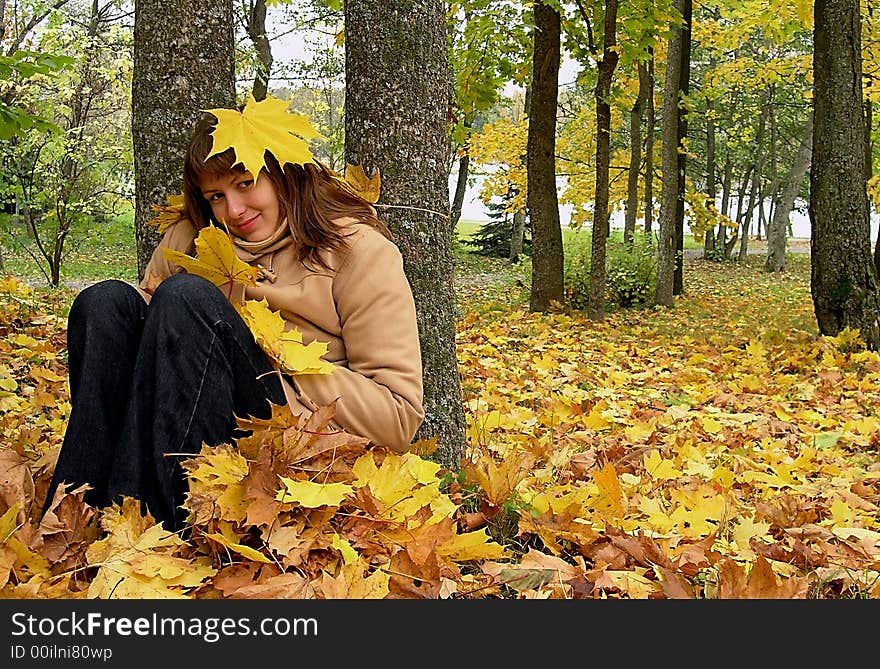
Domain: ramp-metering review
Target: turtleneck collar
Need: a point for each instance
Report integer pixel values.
(276, 241)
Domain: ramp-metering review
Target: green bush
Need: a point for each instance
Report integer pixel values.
(630, 277)
(630, 274)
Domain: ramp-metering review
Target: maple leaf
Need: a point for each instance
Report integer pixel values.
(498, 480)
(168, 214)
(216, 260)
(226, 537)
(283, 346)
(761, 582)
(263, 126)
(136, 560)
(312, 495)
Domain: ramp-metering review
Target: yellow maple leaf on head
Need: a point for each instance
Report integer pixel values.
(216, 260)
(263, 126)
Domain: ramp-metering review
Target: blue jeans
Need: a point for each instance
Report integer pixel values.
(150, 384)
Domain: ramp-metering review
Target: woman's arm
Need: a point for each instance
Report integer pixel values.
(380, 390)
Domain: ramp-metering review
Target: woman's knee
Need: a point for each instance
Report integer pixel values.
(106, 300)
(183, 287)
(185, 295)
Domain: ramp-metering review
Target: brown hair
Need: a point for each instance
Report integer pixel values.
(308, 195)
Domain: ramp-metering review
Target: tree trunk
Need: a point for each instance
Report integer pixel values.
(543, 204)
(649, 148)
(601, 222)
(778, 228)
(516, 237)
(460, 188)
(183, 63)
(256, 30)
(398, 100)
(684, 76)
(843, 279)
(669, 193)
(635, 156)
(709, 241)
(744, 214)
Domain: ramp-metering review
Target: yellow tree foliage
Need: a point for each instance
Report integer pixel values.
(502, 145)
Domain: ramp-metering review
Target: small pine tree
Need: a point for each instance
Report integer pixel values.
(493, 237)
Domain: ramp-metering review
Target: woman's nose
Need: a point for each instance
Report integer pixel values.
(236, 205)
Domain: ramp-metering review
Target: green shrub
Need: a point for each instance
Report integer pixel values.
(630, 277)
(630, 274)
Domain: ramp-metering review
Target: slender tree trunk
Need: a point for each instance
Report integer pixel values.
(519, 217)
(517, 234)
(843, 279)
(684, 76)
(460, 188)
(670, 193)
(709, 241)
(725, 185)
(256, 30)
(398, 98)
(635, 156)
(649, 148)
(601, 220)
(183, 63)
(776, 233)
(744, 214)
(543, 203)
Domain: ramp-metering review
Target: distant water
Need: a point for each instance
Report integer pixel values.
(473, 209)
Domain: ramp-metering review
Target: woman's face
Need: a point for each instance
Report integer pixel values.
(250, 209)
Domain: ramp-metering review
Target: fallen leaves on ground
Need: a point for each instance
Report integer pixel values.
(720, 449)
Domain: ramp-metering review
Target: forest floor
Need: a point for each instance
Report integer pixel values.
(719, 448)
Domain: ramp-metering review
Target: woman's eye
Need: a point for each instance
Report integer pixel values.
(215, 197)
(247, 183)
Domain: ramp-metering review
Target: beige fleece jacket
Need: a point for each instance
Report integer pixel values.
(363, 309)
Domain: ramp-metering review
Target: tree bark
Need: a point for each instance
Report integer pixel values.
(183, 63)
(776, 231)
(397, 106)
(843, 280)
(543, 204)
(744, 214)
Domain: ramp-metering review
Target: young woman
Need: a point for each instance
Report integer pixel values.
(157, 371)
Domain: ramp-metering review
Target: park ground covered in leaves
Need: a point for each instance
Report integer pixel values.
(719, 449)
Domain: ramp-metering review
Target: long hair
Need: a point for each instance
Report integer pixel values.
(308, 195)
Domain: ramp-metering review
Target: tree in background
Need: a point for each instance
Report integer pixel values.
(397, 114)
(183, 63)
(843, 279)
(488, 48)
(65, 178)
